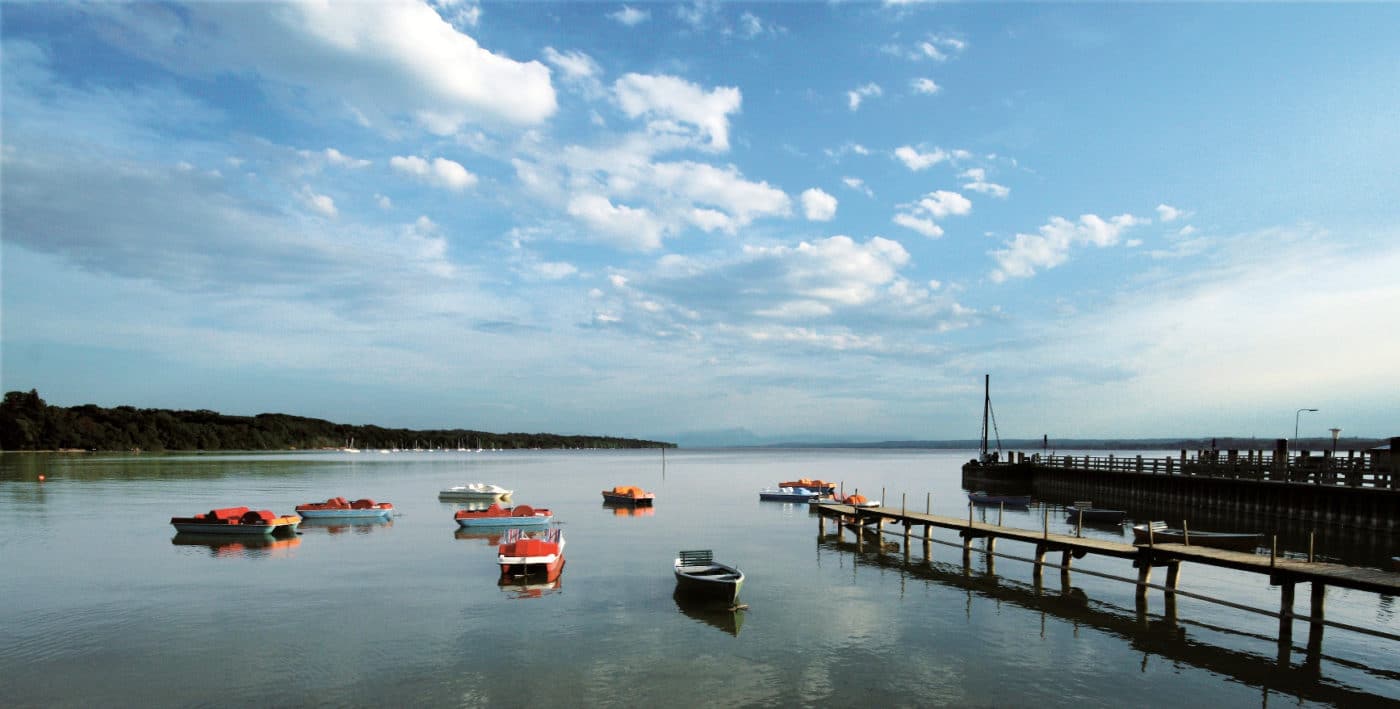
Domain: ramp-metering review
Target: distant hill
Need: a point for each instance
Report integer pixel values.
(28, 423)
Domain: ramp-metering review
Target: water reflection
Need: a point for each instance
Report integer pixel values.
(718, 614)
(1165, 636)
(515, 589)
(627, 510)
(343, 526)
(223, 546)
(494, 536)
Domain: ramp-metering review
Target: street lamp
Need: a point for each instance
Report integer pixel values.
(1335, 432)
(1295, 421)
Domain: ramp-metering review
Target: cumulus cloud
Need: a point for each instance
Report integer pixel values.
(924, 86)
(916, 161)
(858, 185)
(339, 159)
(854, 98)
(818, 205)
(920, 215)
(1026, 253)
(381, 60)
(1167, 213)
(319, 203)
(630, 16)
(623, 226)
(978, 183)
(440, 171)
(667, 99)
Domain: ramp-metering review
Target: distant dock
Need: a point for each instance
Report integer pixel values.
(1358, 490)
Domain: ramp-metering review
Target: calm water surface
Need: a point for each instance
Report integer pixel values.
(101, 604)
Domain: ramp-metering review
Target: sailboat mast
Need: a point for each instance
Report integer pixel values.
(986, 412)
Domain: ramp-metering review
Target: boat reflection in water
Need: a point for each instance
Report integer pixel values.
(718, 614)
(342, 526)
(225, 547)
(538, 588)
(627, 510)
(493, 537)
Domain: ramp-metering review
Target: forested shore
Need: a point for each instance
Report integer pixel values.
(27, 423)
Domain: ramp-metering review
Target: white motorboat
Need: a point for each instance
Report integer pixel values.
(475, 491)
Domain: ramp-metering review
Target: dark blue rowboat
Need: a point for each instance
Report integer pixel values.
(984, 498)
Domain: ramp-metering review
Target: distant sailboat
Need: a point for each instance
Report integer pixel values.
(350, 446)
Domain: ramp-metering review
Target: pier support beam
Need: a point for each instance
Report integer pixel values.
(1285, 618)
(1173, 576)
(1144, 578)
(1319, 594)
(1038, 570)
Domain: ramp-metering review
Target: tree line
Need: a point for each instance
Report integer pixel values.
(27, 422)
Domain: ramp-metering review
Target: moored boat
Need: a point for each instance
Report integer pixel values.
(475, 491)
(628, 495)
(857, 500)
(1160, 533)
(237, 520)
(521, 556)
(699, 575)
(497, 516)
(818, 486)
(986, 498)
(339, 507)
(1087, 513)
(788, 494)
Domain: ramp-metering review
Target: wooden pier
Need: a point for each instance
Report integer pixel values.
(1286, 573)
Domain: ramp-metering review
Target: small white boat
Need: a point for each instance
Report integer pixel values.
(475, 491)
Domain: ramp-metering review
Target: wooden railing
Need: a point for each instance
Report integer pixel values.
(1350, 471)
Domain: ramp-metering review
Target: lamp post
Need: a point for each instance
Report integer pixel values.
(1335, 432)
(1295, 421)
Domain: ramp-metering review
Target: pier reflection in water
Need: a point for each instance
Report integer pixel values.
(1164, 635)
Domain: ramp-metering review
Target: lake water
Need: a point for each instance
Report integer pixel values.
(100, 606)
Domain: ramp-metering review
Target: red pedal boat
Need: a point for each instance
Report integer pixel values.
(237, 520)
(525, 557)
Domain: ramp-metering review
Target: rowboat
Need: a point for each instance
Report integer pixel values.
(521, 556)
(1162, 534)
(497, 516)
(788, 494)
(1087, 513)
(986, 498)
(628, 495)
(475, 491)
(698, 575)
(239, 521)
(820, 486)
(340, 508)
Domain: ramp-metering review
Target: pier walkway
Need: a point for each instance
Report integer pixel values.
(1283, 572)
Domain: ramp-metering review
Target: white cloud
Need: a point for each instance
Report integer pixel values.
(379, 61)
(554, 270)
(1049, 248)
(383, 202)
(920, 216)
(858, 185)
(667, 98)
(916, 161)
(698, 13)
(937, 46)
(335, 157)
(440, 171)
(573, 65)
(925, 86)
(1187, 230)
(854, 98)
(818, 205)
(725, 188)
(630, 16)
(319, 203)
(979, 183)
(927, 227)
(1167, 213)
(943, 203)
(620, 225)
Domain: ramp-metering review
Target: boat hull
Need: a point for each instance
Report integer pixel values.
(790, 496)
(346, 514)
(282, 526)
(469, 493)
(502, 522)
(719, 582)
(628, 500)
(546, 571)
(1219, 540)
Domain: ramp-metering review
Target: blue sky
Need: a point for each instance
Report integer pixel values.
(653, 219)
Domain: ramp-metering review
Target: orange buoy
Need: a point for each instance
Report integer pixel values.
(41, 478)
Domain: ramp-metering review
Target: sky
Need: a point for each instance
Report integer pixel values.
(709, 221)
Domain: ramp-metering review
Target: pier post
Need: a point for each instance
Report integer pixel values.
(821, 525)
(1173, 576)
(1319, 594)
(1285, 614)
(1144, 577)
(1038, 570)
(1065, 556)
